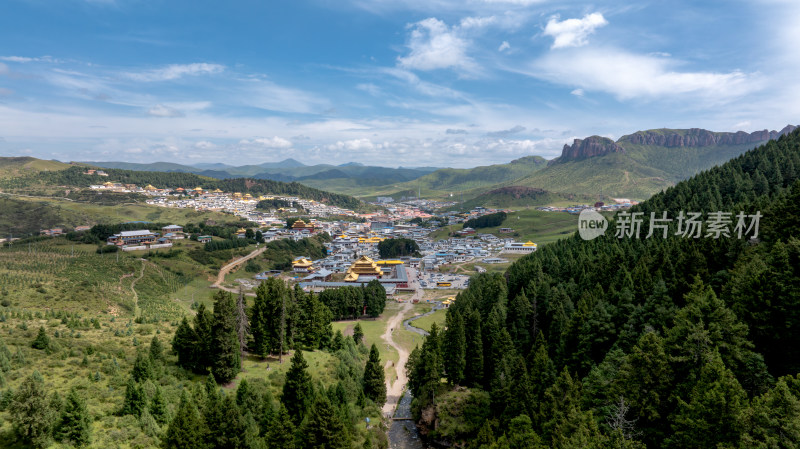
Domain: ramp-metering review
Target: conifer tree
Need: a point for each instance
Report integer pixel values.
(203, 324)
(74, 424)
(708, 416)
(185, 344)
(248, 400)
(521, 435)
(772, 419)
(541, 369)
(298, 392)
(226, 428)
(226, 362)
(281, 430)
(142, 368)
(156, 350)
(338, 341)
(473, 368)
(454, 348)
(135, 401)
(30, 413)
(186, 429)
(358, 333)
(324, 428)
(42, 341)
(375, 378)
(158, 406)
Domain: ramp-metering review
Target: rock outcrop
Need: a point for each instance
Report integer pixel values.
(593, 146)
(696, 137)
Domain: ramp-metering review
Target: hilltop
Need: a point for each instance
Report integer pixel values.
(11, 167)
(643, 163)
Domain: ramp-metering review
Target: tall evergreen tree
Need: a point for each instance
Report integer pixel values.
(185, 345)
(30, 413)
(772, 419)
(298, 391)
(281, 430)
(204, 351)
(324, 429)
(374, 298)
(135, 401)
(269, 318)
(374, 377)
(142, 368)
(158, 406)
(473, 368)
(74, 424)
(186, 429)
(708, 417)
(226, 362)
(358, 333)
(454, 348)
(156, 350)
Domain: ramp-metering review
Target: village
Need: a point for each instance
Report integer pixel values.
(352, 257)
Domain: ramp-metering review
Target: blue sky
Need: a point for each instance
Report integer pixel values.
(385, 82)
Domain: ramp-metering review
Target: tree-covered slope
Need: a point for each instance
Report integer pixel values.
(622, 342)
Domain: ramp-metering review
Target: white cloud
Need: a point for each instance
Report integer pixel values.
(25, 59)
(578, 92)
(268, 95)
(477, 22)
(504, 46)
(204, 145)
(175, 71)
(629, 75)
(352, 145)
(161, 110)
(433, 45)
(369, 88)
(573, 32)
(507, 132)
(269, 142)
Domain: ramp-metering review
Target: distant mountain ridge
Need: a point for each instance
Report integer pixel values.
(591, 146)
(640, 164)
(321, 176)
(696, 137)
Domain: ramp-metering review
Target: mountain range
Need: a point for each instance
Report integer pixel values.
(634, 166)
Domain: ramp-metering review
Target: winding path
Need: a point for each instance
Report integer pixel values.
(395, 390)
(227, 268)
(133, 289)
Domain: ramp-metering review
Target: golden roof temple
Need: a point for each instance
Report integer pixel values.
(364, 266)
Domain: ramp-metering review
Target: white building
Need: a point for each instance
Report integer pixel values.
(519, 248)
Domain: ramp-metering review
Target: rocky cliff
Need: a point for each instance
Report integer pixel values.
(695, 137)
(589, 147)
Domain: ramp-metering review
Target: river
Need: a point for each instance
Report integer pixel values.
(403, 433)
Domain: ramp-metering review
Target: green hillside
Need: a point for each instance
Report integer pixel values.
(11, 167)
(664, 342)
(26, 215)
(519, 197)
(681, 163)
(48, 181)
(453, 183)
(606, 176)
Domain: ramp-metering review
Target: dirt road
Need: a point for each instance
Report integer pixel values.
(227, 268)
(395, 390)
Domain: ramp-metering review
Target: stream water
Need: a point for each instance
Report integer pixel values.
(403, 433)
